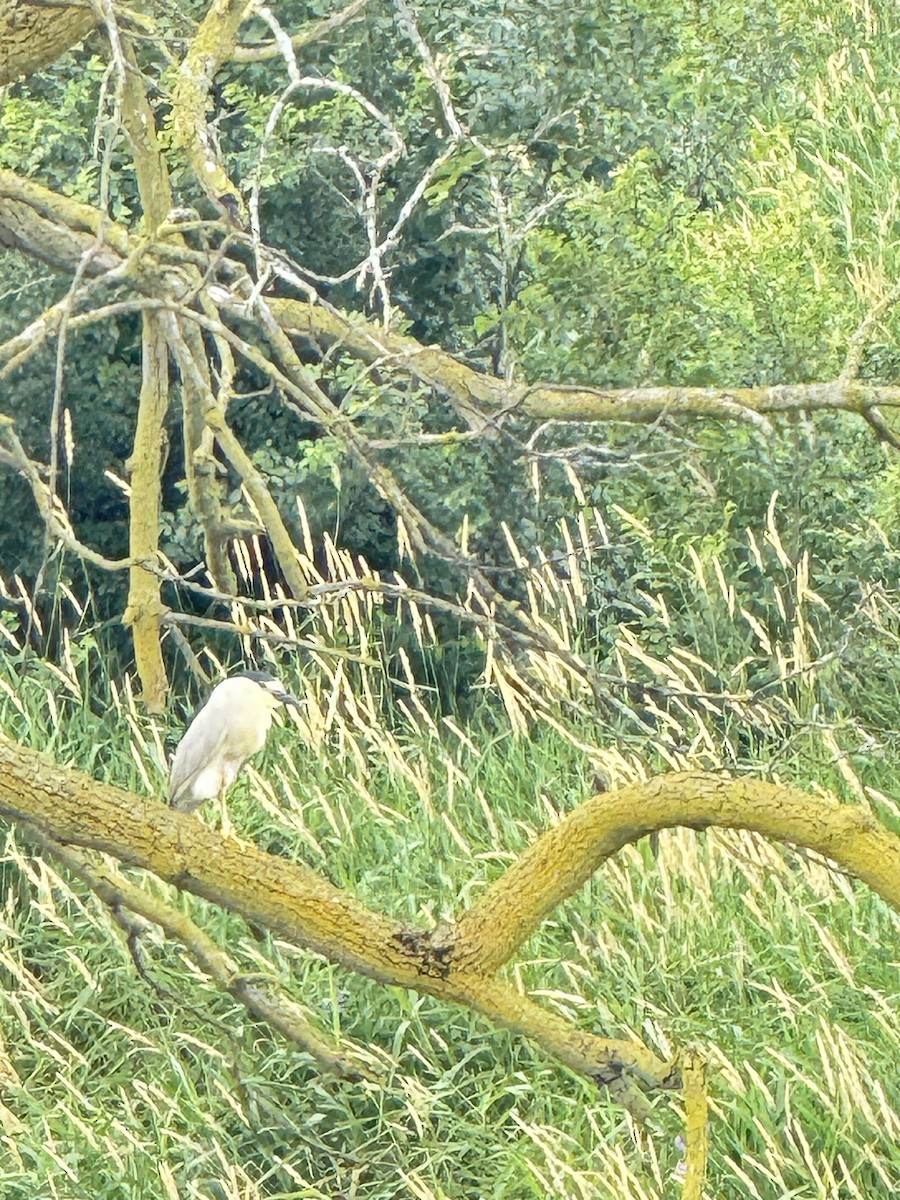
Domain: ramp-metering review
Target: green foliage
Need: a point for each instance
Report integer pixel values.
(45, 127)
(715, 198)
(720, 183)
(749, 295)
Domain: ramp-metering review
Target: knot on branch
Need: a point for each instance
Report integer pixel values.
(149, 609)
(432, 957)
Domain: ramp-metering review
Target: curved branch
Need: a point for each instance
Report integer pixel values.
(296, 903)
(560, 861)
(458, 963)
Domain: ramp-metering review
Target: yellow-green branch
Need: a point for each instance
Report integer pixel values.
(213, 44)
(560, 861)
(294, 902)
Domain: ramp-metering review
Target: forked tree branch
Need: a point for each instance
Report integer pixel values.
(296, 903)
(169, 273)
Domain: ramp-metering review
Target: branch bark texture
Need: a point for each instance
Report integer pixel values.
(558, 863)
(33, 35)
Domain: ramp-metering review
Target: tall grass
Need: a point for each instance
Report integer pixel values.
(784, 972)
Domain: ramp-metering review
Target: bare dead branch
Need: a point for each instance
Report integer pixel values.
(315, 31)
(411, 29)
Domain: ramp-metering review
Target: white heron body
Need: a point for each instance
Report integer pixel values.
(230, 727)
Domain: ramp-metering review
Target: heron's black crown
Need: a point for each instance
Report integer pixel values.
(258, 676)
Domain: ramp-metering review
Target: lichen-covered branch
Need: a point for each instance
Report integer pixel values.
(296, 903)
(59, 230)
(213, 44)
(479, 396)
(204, 422)
(33, 35)
(200, 467)
(145, 608)
(277, 532)
(696, 1107)
(560, 861)
(458, 963)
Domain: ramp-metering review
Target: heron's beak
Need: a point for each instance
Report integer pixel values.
(287, 698)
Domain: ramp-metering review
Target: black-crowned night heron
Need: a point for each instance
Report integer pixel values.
(232, 724)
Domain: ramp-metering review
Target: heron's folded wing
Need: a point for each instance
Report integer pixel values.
(199, 749)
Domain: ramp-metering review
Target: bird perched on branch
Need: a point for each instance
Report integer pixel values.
(231, 726)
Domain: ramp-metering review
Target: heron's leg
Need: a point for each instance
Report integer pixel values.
(225, 821)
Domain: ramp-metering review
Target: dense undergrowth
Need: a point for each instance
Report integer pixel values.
(781, 970)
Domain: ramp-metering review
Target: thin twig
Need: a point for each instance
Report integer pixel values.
(283, 1015)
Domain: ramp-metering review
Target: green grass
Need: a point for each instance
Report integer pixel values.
(782, 971)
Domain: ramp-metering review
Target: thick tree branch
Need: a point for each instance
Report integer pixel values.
(482, 397)
(294, 902)
(55, 228)
(456, 963)
(33, 35)
(559, 862)
(59, 230)
(145, 608)
(201, 470)
(696, 1107)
